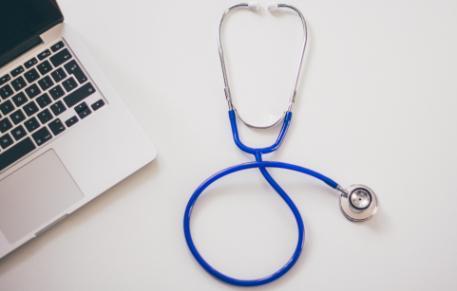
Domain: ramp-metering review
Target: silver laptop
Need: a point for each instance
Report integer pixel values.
(65, 137)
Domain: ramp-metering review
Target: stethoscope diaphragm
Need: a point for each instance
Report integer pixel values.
(358, 203)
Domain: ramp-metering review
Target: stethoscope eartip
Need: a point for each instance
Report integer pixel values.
(358, 203)
(254, 7)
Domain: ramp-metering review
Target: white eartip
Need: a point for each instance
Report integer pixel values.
(255, 7)
(273, 8)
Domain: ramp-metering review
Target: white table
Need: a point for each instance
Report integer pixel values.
(377, 106)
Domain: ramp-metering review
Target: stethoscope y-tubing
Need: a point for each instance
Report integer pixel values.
(262, 166)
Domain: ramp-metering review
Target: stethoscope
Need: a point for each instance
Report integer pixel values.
(357, 202)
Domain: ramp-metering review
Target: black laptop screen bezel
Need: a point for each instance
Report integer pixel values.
(22, 22)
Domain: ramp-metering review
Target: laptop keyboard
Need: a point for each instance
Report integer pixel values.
(35, 96)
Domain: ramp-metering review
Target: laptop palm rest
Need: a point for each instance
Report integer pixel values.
(35, 195)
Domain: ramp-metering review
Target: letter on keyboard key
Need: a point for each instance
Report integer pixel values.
(44, 100)
(42, 136)
(56, 126)
(16, 152)
(5, 141)
(83, 110)
(30, 63)
(97, 105)
(17, 116)
(32, 124)
(58, 75)
(44, 55)
(31, 75)
(79, 95)
(60, 57)
(18, 84)
(46, 83)
(30, 108)
(19, 99)
(58, 108)
(6, 107)
(44, 67)
(4, 79)
(19, 132)
(45, 116)
(74, 69)
(6, 91)
(17, 71)
(56, 92)
(5, 125)
(57, 46)
(71, 121)
(33, 91)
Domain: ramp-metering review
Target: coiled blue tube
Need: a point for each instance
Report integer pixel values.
(262, 166)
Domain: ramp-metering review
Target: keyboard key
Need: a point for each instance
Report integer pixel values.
(30, 63)
(42, 136)
(31, 75)
(6, 141)
(4, 79)
(17, 116)
(19, 132)
(18, 84)
(74, 69)
(19, 99)
(79, 95)
(69, 84)
(71, 121)
(44, 68)
(56, 92)
(57, 46)
(60, 57)
(30, 108)
(5, 125)
(17, 71)
(56, 126)
(58, 75)
(46, 83)
(44, 116)
(58, 108)
(6, 91)
(19, 150)
(98, 104)
(6, 107)
(32, 124)
(83, 110)
(44, 55)
(33, 91)
(44, 100)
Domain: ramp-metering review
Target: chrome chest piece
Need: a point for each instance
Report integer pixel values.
(358, 203)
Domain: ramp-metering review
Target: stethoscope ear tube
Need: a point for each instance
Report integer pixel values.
(225, 73)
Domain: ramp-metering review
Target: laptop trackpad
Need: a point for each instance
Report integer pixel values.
(34, 195)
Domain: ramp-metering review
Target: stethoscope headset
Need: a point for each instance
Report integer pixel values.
(357, 202)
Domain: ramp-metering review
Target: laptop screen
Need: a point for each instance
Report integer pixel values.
(21, 20)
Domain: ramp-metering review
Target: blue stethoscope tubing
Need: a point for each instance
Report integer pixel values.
(262, 165)
(358, 202)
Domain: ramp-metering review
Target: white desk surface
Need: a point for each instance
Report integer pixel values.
(377, 106)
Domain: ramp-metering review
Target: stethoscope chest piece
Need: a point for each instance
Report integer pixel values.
(358, 203)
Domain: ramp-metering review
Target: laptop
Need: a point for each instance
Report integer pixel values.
(65, 136)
